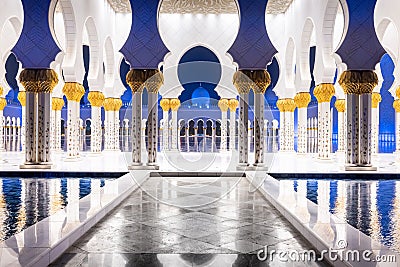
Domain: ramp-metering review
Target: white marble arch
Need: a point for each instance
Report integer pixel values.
(10, 29)
(182, 32)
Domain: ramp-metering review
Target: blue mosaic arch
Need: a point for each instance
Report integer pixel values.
(144, 48)
(36, 47)
(360, 49)
(252, 48)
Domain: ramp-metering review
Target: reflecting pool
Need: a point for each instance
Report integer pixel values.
(373, 207)
(25, 201)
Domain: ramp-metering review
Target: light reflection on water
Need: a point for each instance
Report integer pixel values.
(25, 201)
(373, 207)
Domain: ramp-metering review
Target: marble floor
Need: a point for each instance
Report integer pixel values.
(201, 162)
(188, 221)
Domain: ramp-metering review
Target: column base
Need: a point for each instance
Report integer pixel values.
(360, 168)
(72, 159)
(140, 166)
(94, 154)
(36, 166)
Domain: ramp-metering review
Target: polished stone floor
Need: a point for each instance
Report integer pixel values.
(188, 221)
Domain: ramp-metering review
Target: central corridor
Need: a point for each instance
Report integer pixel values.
(188, 221)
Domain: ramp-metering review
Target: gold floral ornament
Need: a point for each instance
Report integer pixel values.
(57, 103)
(117, 104)
(376, 99)
(358, 81)
(398, 92)
(109, 104)
(260, 80)
(396, 105)
(241, 82)
(233, 104)
(96, 98)
(38, 80)
(73, 91)
(340, 105)
(21, 98)
(175, 104)
(3, 103)
(1, 90)
(302, 99)
(223, 104)
(286, 105)
(136, 78)
(324, 92)
(165, 104)
(154, 82)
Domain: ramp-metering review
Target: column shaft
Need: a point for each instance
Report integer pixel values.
(152, 131)
(174, 130)
(232, 130)
(324, 136)
(224, 122)
(243, 129)
(258, 129)
(302, 130)
(136, 128)
(341, 132)
(165, 131)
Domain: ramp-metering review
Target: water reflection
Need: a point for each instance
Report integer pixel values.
(25, 201)
(373, 207)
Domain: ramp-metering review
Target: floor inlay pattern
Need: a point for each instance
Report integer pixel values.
(187, 221)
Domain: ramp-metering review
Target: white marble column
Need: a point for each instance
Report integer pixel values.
(165, 105)
(22, 100)
(74, 92)
(233, 104)
(175, 104)
(286, 107)
(38, 105)
(117, 124)
(3, 104)
(340, 106)
(242, 83)
(302, 100)
(136, 127)
(376, 99)
(56, 106)
(223, 105)
(152, 85)
(324, 93)
(109, 124)
(396, 106)
(96, 100)
(358, 86)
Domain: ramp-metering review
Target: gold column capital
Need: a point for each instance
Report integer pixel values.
(109, 104)
(302, 99)
(137, 79)
(96, 98)
(324, 92)
(233, 104)
(38, 80)
(340, 105)
(376, 99)
(223, 104)
(57, 103)
(260, 80)
(21, 98)
(165, 104)
(73, 91)
(117, 104)
(398, 92)
(3, 103)
(396, 105)
(175, 103)
(286, 105)
(241, 82)
(358, 81)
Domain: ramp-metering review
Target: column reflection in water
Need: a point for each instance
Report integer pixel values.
(323, 227)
